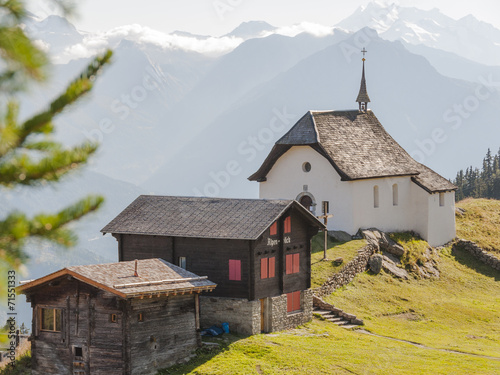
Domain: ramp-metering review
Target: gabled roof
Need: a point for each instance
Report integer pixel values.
(219, 218)
(155, 276)
(357, 146)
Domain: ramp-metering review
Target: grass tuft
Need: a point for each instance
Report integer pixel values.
(480, 223)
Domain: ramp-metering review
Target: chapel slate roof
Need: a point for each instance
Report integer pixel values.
(154, 276)
(357, 146)
(219, 218)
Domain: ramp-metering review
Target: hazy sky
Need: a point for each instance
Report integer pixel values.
(217, 17)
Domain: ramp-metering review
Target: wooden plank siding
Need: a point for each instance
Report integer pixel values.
(166, 334)
(299, 242)
(204, 257)
(210, 257)
(136, 246)
(85, 324)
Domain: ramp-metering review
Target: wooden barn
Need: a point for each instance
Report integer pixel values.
(120, 318)
(257, 251)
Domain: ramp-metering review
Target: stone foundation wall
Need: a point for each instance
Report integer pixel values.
(479, 253)
(347, 273)
(243, 316)
(281, 319)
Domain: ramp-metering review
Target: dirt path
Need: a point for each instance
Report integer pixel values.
(425, 347)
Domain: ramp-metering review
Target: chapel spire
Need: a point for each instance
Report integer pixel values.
(363, 98)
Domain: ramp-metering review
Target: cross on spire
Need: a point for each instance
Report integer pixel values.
(363, 98)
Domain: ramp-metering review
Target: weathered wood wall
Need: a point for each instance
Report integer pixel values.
(204, 257)
(85, 324)
(299, 242)
(166, 335)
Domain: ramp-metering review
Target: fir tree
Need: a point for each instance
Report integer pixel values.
(28, 155)
(484, 183)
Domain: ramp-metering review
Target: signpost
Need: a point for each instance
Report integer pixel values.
(325, 216)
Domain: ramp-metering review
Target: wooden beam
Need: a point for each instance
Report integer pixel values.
(166, 281)
(251, 272)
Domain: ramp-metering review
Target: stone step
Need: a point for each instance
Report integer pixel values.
(349, 326)
(341, 322)
(322, 312)
(349, 316)
(337, 319)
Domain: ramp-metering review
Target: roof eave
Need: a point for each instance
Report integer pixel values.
(432, 191)
(65, 271)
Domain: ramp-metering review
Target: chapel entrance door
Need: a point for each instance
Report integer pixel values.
(307, 202)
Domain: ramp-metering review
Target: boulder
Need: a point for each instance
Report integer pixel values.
(392, 258)
(382, 241)
(375, 263)
(338, 261)
(387, 244)
(339, 235)
(394, 270)
(371, 238)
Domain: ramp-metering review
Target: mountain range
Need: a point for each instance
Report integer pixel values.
(174, 110)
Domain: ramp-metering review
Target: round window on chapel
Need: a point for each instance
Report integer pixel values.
(306, 167)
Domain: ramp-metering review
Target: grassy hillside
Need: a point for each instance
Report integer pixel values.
(322, 270)
(457, 313)
(480, 223)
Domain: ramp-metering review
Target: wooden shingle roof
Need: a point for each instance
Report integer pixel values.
(219, 218)
(357, 146)
(155, 276)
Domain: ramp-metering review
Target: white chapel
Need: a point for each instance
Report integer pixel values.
(347, 158)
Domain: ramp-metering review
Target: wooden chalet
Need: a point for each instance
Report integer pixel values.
(121, 318)
(257, 251)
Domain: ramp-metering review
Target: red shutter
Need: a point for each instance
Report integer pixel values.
(289, 302)
(288, 225)
(272, 267)
(234, 269)
(274, 229)
(296, 301)
(296, 263)
(263, 268)
(289, 264)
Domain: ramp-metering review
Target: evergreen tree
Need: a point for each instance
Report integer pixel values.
(28, 155)
(484, 183)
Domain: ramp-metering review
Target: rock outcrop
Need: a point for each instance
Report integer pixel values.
(391, 257)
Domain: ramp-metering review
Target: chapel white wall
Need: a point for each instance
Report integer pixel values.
(352, 202)
(286, 180)
(441, 219)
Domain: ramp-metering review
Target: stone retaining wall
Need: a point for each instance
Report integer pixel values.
(347, 273)
(243, 316)
(479, 253)
(281, 319)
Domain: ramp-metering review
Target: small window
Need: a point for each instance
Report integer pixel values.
(326, 207)
(140, 317)
(78, 351)
(273, 230)
(182, 262)
(267, 268)
(292, 263)
(441, 199)
(288, 225)
(293, 301)
(234, 269)
(51, 320)
(112, 318)
(306, 167)
(375, 197)
(395, 195)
